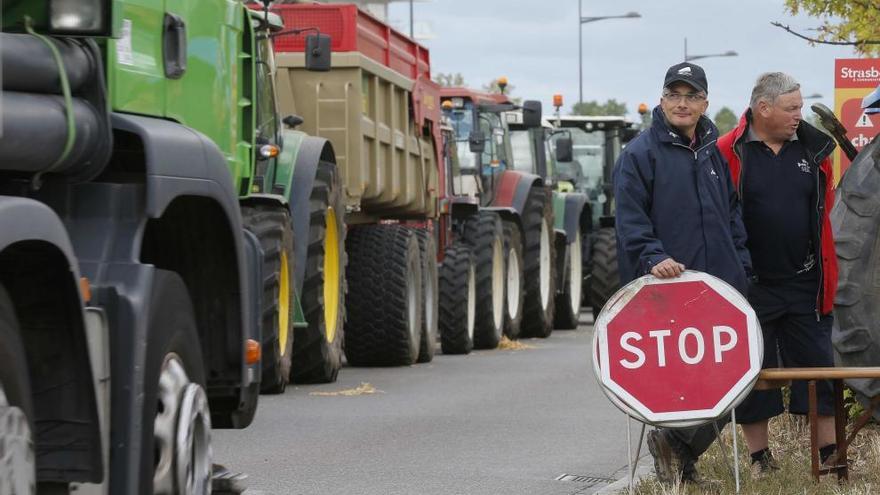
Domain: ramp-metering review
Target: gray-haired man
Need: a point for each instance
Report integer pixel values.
(782, 170)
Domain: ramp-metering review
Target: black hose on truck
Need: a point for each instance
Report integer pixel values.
(43, 132)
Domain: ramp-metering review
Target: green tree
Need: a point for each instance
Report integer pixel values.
(449, 80)
(726, 120)
(844, 22)
(593, 107)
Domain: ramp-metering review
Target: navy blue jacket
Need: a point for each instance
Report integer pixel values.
(676, 202)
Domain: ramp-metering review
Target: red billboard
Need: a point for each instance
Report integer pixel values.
(854, 78)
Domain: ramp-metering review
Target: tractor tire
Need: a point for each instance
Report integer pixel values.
(317, 349)
(17, 457)
(605, 276)
(539, 264)
(587, 240)
(513, 288)
(568, 301)
(855, 221)
(176, 437)
(271, 225)
(484, 234)
(458, 300)
(385, 296)
(430, 294)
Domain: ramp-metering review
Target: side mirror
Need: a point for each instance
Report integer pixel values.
(531, 110)
(477, 142)
(292, 121)
(318, 52)
(564, 150)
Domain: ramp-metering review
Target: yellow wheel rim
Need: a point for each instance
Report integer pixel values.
(283, 304)
(331, 276)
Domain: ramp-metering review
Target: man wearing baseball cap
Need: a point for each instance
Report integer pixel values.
(677, 208)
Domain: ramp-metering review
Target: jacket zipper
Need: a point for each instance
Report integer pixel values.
(819, 225)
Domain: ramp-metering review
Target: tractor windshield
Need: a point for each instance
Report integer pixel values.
(589, 152)
(462, 121)
(523, 152)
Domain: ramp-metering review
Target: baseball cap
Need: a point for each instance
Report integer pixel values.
(688, 73)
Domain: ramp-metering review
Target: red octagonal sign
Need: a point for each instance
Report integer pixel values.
(678, 351)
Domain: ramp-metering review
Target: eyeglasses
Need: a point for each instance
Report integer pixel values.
(690, 97)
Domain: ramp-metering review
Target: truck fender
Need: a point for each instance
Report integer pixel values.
(513, 189)
(27, 220)
(574, 207)
(303, 153)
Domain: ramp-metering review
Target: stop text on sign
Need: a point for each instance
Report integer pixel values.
(676, 352)
(723, 339)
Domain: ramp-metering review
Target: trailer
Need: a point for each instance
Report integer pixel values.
(380, 110)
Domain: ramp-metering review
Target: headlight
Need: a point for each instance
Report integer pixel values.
(80, 17)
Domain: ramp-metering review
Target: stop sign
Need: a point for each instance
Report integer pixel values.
(677, 352)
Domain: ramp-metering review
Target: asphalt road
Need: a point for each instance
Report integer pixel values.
(501, 421)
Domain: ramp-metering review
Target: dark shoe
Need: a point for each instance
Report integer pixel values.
(763, 466)
(669, 463)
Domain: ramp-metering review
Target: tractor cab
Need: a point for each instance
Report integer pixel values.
(596, 142)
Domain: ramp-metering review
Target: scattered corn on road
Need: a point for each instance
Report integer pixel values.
(528, 421)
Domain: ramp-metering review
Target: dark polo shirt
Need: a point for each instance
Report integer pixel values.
(778, 196)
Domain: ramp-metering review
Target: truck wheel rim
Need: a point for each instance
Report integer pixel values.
(430, 321)
(181, 442)
(545, 265)
(498, 283)
(575, 275)
(513, 282)
(193, 459)
(283, 304)
(17, 461)
(471, 300)
(331, 276)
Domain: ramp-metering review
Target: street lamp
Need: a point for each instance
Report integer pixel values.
(688, 58)
(581, 21)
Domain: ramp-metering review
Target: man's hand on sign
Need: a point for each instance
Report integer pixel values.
(668, 268)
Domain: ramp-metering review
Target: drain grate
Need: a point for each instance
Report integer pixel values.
(579, 478)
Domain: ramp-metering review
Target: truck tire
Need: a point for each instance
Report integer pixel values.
(176, 439)
(855, 221)
(430, 295)
(605, 277)
(271, 224)
(539, 262)
(484, 234)
(317, 349)
(568, 301)
(17, 457)
(513, 288)
(458, 300)
(385, 296)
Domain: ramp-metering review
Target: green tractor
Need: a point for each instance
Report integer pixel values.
(532, 153)
(147, 257)
(587, 147)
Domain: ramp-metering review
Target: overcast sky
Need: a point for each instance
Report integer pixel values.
(534, 44)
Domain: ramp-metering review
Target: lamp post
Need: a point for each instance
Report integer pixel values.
(688, 58)
(581, 21)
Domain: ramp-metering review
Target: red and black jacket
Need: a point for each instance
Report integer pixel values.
(818, 147)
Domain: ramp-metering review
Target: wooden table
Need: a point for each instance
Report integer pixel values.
(779, 377)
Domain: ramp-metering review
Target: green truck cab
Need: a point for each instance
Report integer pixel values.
(142, 218)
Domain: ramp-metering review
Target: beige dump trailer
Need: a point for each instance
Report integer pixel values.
(380, 110)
